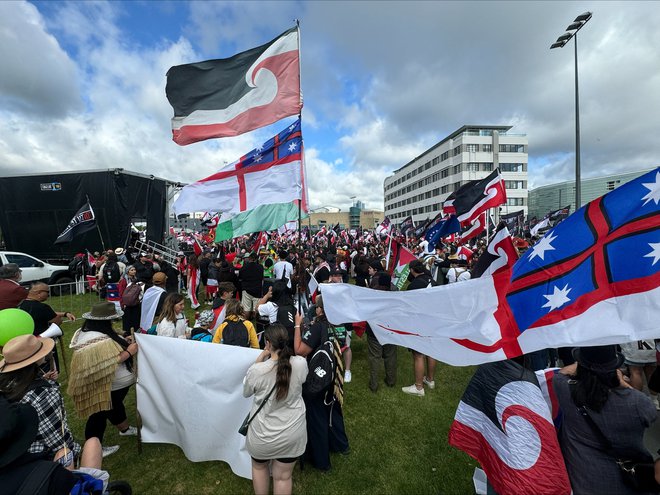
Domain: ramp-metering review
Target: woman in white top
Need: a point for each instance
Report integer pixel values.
(277, 435)
(172, 321)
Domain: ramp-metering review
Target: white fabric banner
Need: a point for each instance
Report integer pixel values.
(190, 394)
(429, 320)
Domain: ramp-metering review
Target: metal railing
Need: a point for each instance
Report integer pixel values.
(74, 297)
(168, 254)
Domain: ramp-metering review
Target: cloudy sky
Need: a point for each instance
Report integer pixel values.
(82, 84)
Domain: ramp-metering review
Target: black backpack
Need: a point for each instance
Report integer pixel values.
(286, 317)
(235, 333)
(111, 273)
(321, 368)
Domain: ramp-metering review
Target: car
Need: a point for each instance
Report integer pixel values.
(35, 270)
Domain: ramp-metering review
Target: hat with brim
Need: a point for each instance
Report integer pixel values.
(24, 350)
(599, 358)
(119, 251)
(19, 424)
(104, 311)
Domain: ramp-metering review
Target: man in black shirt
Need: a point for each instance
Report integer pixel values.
(251, 278)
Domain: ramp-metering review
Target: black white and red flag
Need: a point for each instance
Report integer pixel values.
(514, 221)
(406, 227)
(83, 221)
(475, 197)
(503, 421)
(500, 254)
(227, 97)
(421, 227)
(474, 229)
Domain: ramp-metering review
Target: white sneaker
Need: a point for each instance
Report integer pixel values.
(429, 383)
(413, 390)
(131, 431)
(347, 376)
(110, 450)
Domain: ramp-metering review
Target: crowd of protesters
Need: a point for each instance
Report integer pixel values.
(269, 299)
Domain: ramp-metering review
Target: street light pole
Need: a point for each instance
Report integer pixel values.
(572, 31)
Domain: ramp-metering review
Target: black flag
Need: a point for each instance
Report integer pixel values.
(81, 222)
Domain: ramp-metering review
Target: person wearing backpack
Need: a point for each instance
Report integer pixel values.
(130, 298)
(325, 421)
(236, 330)
(110, 274)
(277, 305)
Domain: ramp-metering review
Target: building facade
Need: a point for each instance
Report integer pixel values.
(356, 216)
(419, 188)
(545, 199)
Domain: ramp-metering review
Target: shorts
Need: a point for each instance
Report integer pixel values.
(283, 460)
(99, 474)
(249, 302)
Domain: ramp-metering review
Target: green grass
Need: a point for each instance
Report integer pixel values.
(398, 442)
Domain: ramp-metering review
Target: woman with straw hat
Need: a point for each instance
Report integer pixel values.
(22, 380)
(101, 372)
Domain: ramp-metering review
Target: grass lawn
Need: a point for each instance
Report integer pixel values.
(398, 442)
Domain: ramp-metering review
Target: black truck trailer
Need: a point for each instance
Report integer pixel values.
(36, 208)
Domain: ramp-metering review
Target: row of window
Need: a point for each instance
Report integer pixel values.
(467, 148)
(436, 207)
(457, 169)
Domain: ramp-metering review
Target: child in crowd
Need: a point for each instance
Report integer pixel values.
(202, 330)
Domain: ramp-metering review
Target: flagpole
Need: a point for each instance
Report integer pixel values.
(389, 251)
(97, 222)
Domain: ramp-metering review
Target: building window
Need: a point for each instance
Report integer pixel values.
(444, 173)
(472, 167)
(515, 201)
(436, 160)
(487, 167)
(408, 176)
(511, 167)
(610, 185)
(444, 189)
(444, 156)
(456, 169)
(488, 148)
(512, 148)
(457, 150)
(456, 186)
(436, 191)
(471, 148)
(429, 209)
(514, 184)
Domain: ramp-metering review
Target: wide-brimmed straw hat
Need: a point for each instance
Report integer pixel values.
(104, 311)
(119, 251)
(599, 358)
(24, 350)
(18, 428)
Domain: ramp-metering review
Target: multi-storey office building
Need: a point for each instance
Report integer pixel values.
(470, 153)
(545, 199)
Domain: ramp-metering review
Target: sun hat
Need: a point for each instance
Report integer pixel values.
(18, 428)
(119, 251)
(104, 311)
(24, 350)
(599, 358)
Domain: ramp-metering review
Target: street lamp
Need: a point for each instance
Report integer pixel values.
(572, 31)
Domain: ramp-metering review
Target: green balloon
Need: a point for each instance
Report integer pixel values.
(14, 322)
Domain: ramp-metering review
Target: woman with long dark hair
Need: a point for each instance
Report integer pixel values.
(101, 373)
(604, 419)
(194, 275)
(172, 320)
(277, 434)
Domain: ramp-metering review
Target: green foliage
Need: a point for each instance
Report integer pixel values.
(398, 442)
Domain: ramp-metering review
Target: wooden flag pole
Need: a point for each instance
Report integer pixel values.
(137, 411)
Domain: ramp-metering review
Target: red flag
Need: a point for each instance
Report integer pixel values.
(196, 247)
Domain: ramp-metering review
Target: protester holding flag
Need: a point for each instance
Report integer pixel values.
(387, 353)
(604, 420)
(193, 281)
(421, 280)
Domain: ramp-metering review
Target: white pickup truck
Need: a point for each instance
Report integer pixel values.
(34, 270)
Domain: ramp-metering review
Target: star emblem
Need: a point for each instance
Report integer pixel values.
(292, 147)
(258, 158)
(260, 148)
(542, 246)
(655, 252)
(558, 298)
(292, 127)
(654, 190)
